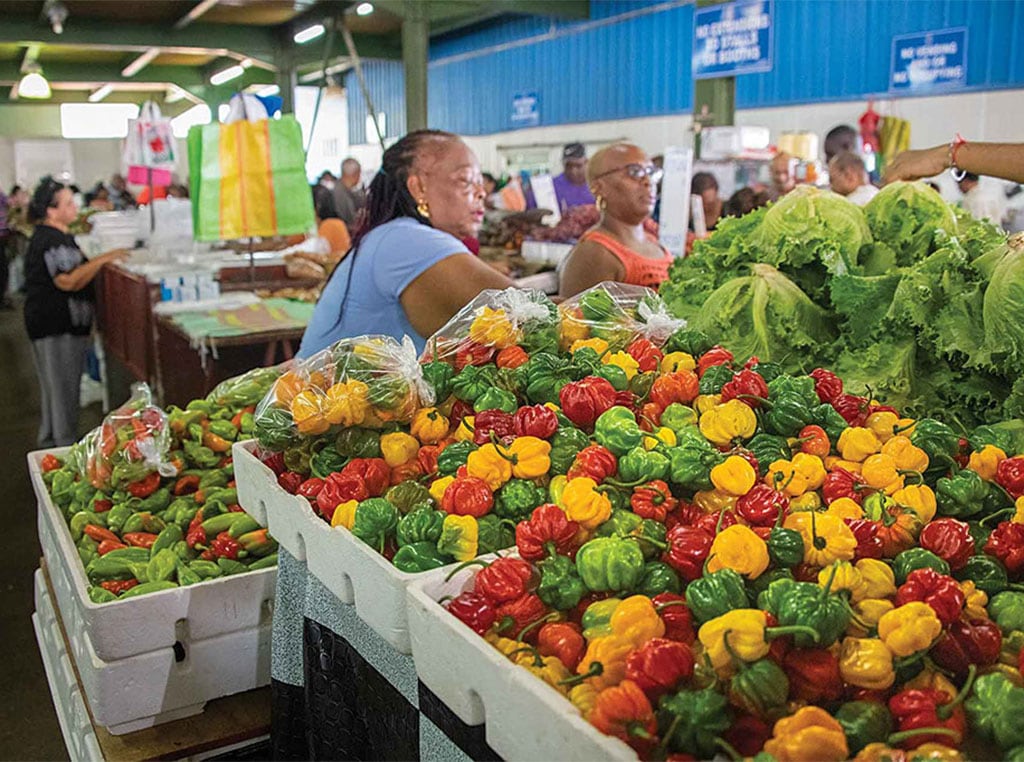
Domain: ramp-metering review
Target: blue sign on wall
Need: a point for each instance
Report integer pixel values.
(735, 38)
(928, 61)
(525, 110)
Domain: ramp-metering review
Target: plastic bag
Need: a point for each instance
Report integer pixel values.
(132, 442)
(615, 314)
(493, 321)
(369, 381)
(246, 389)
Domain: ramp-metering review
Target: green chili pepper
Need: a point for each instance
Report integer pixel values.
(472, 381)
(545, 374)
(517, 498)
(103, 569)
(692, 721)
(596, 620)
(185, 575)
(801, 386)
(939, 442)
(659, 578)
(80, 520)
(494, 533)
(614, 375)
(715, 378)
(168, 537)
(327, 461)
(610, 563)
(688, 340)
(230, 566)
(690, 464)
(200, 456)
(676, 416)
(224, 430)
(560, 585)
(760, 688)
(995, 708)
(1007, 610)
(620, 524)
(357, 443)
(148, 587)
(810, 605)
(162, 565)
(267, 562)
(715, 594)
(986, 572)
(205, 569)
(755, 587)
(828, 418)
(585, 362)
(785, 547)
(617, 430)
(439, 375)
(494, 398)
(640, 465)
(917, 558)
(453, 456)
(419, 557)
(99, 594)
(788, 413)
(407, 495)
(566, 444)
(641, 384)
(375, 519)
(864, 722)
(961, 496)
(421, 525)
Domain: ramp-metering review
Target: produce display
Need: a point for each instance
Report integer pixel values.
(150, 498)
(576, 221)
(908, 298)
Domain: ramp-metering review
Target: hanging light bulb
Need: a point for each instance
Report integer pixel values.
(33, 84)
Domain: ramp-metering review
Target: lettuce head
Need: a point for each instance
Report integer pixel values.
(906, 215)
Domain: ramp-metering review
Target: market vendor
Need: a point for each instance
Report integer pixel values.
(618, 248)
(571, 188)
(408, 272)
(59, 309)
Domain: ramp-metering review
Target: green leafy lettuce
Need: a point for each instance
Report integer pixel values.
(906, 216)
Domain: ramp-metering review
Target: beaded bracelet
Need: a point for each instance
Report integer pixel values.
(954, 146)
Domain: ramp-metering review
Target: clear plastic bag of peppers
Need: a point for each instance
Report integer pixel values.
(612, 315)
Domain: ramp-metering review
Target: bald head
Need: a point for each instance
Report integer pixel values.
(783, 180)
(613, 157)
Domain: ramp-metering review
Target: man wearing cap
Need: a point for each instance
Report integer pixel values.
(571, 186)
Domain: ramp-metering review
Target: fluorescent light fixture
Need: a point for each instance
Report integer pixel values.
(101, 93)
(140, 63)
(309, 34)
(198, 114)
(364, 9)
(34, 85)
(174, 94)
(96, 120)
(268, 91)
(226, 75)
(246, 63)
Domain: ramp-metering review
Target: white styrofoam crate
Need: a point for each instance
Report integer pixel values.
(151, 622)
(525, 718)
(348, 567)
(545, 251)
(153, 688)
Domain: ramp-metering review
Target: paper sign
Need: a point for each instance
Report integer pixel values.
(732, 38)
(525, 110)
(544, 194)
(675, 200)
(929, 61)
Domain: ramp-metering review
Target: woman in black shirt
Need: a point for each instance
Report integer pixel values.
(58, 309)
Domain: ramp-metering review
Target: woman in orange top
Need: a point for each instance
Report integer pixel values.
(623, 181)
(329, 226)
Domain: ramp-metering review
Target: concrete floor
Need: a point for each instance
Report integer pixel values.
(28, 724)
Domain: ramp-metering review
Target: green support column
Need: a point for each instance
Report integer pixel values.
(415, 49)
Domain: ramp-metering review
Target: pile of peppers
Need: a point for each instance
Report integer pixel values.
(157, 533)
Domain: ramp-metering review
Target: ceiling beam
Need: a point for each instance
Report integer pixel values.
(30, 57)
(187, 77)
(200, 8)
(446, 15)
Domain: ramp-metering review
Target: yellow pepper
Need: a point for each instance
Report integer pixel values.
(880, 472)
(663, 436)
(906, 426)
(866, 663)
(857, 443)
(307, 412)
(728, 421)
(345, 514)
(676, 361)
(347, 403)
(734, 475)
(636, 621)
(975, 601)
(529, 456)
(930, 679)
(985, 461)
(583, 697)
(439, 486)
(746, 638)
(879, 581)
(882, 425)
(713, 501)
(832, 462)
(866, 614)
(844, 508)
(811, 468)
(622, 360)
(598, 345)
(506, 646)
(783, 476)
(584, 504)
(910, 628)
(842, 575)
(1018, 516)
(705, 402)
(463, 546)
(740, 549)
(908, 457)
(555, 489)
(926, 752)
(492, 328)
(810, 735)
(572, 328)
(611, 653)
(548, 668)
(489, 464)
(919, 498)
(429, 426)
(465, 431)
(826, 538)
(809, 501)
(398, 448)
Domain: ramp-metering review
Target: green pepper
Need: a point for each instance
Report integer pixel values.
(407, 495)
(801, 386)
(1007, 610)
(769, 371)
(692, 721)
(995, 708)
(472, 381)
(641, 384)
(79, 521)
(510, 380)
(610, 563)
(213, 508)
(88, 550)
(200, 456)
(275, 429)
(864, 722)
(617, 430)
(224, 429)
(991, 435)
(300, 458)
(614, 375)
(419, 557)
(84, 492)
(545, 374)
(439, 375)
(809, 605)
(917, 558)
(688, 340)
(453, 456)
(585, 362)
(771, 597)
(226, 495)
(785, 547)
(162, 565)
(375, 520)
(659, 578)
(566, 444)
(103, 569)
(788, 413)
(214, 478)
(494, 398)
(143, 522)
(560, 585)
(961, 496)
(203, 406)
(62, 487)
(205, 569)
(996, 500)
(421, 525)
(148, 587)
(759, 688)
(230, 566)
(243, 526)
(828, 418)
(494, 533)
(267, 562)
(327, 461)
(596, 620)
(640, 465)
(715, 594)
(517, 498)
(676, 416)
(986, 572)
(715, 378)
(222, 522)
(759, 585)
(185, 575)
(357, 443)
(167, 538)
(940, 443)
(619, 498)
(99, 594)
(620, 523)
(691, 462)
(183, 551)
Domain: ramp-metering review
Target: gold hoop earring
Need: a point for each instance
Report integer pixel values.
(422, 209)
(600, 201)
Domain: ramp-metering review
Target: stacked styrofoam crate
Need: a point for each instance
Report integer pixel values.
(158, 657)
(525, 718)
(350, 569)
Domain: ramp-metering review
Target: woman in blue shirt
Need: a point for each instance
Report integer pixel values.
(409, 272)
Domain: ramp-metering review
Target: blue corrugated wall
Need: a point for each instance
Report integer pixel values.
(386, 83)
(632, 59)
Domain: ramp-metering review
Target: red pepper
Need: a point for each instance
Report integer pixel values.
(715, 356)
(290, 481)
(102, 506)
(1010, 475)
(310, 488)
(813, 675)
(652, 500)
(950, 540)
(626, 399)
(914, 709)
(274, 461)
(647, 356)
(869, 544)
(978, 641)
(584, 400)
(374, 473)
(504, 579)
(339, 488)
(939, 591)
(145, 486)
(594, 461)
(854, 409)
(748, 387)
(186, 485)
(623, 711)
(827, 385)
(225, 546)
(468, 496)
(406, 472)
(762, 506)
(676, 615)
(563, 641)
(427, 458)
(106, 546)
(99, 534)
(747, 735)
(517, 614)
(659, 665)
(491, 422)
(713, 523)
(140, 539)
(814, 441)
(471, 353)
(460, 409)
(473, 610)
(49, 462)
(118, 586)
(547, 525)
(195, 535)
(650, 416)
(688, 550)
(681, 386)
(685, 514)
(534, 421)
(842, 483)
(511, 357)
(1007, 544)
